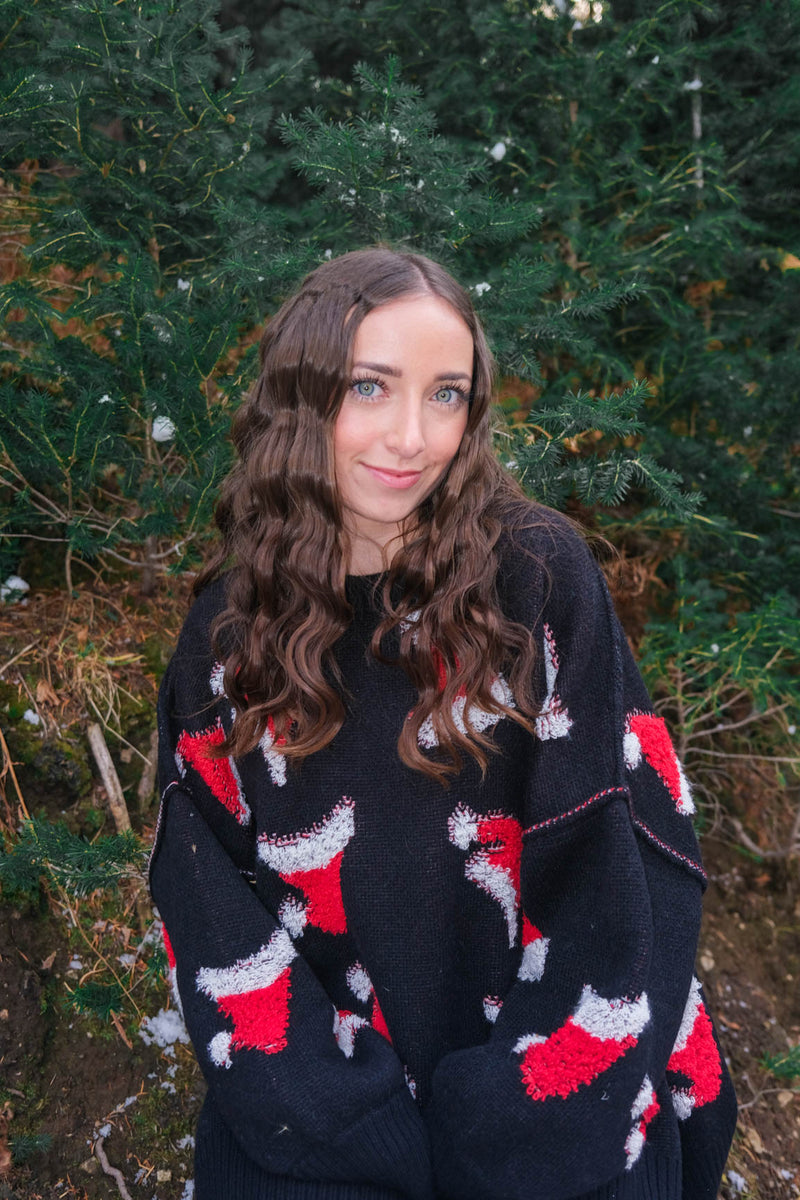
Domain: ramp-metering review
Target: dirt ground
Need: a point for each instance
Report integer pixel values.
(749, 962)
(74, 1078)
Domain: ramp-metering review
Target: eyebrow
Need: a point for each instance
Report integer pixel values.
(385, 369)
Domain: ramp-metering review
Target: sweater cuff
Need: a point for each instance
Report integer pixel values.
(387, 1146)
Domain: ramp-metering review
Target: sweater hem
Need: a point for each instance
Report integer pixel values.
(652, 1179)
(223, 1171)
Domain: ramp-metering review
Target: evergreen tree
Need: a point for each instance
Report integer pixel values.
(168, 210)
(150, 251)
(659, 144)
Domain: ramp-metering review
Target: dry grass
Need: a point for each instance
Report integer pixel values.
(89, 655)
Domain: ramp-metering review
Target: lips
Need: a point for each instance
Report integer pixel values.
(394, 479)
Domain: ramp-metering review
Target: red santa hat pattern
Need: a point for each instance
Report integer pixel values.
(345, 1027)
(172, 970)
(473, 719)
(219, 774)
(495, 866)
(644, 1108)
(276, 762)
(695, 1057)
(254, 994)
(311, 861)
(534, 952)
(293, 916)
(554, 720)
(491, 1008)
(597, 1033)
(347, 1024)
(362, 988)
(646, 736)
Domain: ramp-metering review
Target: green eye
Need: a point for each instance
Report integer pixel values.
(448, 396)
(365, 387)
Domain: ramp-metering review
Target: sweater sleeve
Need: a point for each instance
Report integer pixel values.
(603, 1043)
(300, 1101)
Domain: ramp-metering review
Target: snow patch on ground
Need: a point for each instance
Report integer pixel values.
(164, 1029)
(14, 588)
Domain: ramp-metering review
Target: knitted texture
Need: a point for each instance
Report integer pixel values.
(484, 992)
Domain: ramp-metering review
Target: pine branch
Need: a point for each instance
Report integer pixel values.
(50, 851)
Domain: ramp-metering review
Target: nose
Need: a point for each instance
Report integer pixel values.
(406, 435)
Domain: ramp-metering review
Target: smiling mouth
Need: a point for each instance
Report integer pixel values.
(392, 478)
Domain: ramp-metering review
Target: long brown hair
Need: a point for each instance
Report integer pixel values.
(282, 532)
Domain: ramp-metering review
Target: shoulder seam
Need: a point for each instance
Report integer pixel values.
(684, 859)
(605, 794)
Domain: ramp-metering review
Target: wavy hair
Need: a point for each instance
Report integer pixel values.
(283, 536)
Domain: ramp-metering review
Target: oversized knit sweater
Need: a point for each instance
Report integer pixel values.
(481, 992)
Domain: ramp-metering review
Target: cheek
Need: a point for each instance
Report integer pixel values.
(347, 435)
(353, 433)
(452, 438)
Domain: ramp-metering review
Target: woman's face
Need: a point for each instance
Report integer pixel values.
(401, 421)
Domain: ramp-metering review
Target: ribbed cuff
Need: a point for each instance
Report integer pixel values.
(390, 1143)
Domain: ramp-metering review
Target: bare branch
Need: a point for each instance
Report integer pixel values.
(769, 712)
(749, 844)
(771, 758)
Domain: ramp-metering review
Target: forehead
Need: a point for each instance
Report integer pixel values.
(413, 328)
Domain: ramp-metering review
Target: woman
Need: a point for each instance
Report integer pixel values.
(425, 853)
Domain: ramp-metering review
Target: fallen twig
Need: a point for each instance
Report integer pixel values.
(17, 656)
(114, 1172)
(144, 792)
(120, 1030)
(108, 773)
(8, 768)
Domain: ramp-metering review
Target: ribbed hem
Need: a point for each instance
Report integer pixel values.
(245, 1186)
(704, 1172)
(224, 1172)
(392, 1139)
(651, 1179)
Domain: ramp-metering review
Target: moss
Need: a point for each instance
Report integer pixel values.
(12, 703)
(59, 763)
(137, 722)
(24, 740)
(164, 1118)
(156, 653)
(64, 763)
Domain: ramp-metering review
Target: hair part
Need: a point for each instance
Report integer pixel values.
(281, 524)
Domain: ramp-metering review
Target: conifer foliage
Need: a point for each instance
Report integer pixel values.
(163, 193)
(138, 185)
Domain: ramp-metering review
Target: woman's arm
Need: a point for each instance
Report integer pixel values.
(602, 1057)
(300, 1100)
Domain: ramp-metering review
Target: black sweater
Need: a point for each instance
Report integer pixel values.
(484, 992)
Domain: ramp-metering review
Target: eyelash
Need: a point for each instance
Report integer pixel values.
(458, 388)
